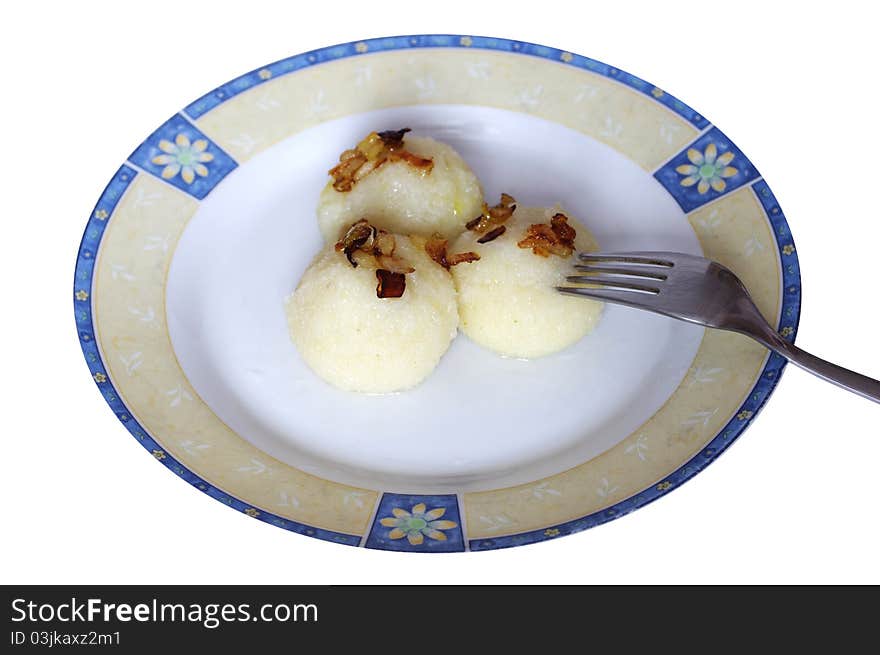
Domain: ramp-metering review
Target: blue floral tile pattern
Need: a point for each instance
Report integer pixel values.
(179, 153)
(707, 169)
(417, 523)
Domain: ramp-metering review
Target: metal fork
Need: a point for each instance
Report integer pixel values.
(700, 291)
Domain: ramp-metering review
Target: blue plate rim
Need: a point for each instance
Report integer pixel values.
(743, 417)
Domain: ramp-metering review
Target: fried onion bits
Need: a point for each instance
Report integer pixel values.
(401, 183)
(373, 312)
(507, 301)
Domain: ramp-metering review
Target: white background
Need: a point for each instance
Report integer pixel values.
(794, 500)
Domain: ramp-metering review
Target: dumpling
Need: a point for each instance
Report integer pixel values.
(413, 186)
(507, 300)
(374, 314)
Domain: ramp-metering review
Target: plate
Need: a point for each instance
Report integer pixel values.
(207, 226)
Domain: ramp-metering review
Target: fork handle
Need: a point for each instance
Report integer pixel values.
(859, 384)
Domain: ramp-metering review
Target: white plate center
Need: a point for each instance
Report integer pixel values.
(479, 421)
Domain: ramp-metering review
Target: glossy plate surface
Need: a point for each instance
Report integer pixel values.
(209, 224)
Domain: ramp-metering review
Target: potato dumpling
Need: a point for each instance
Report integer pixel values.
(404, 198)
(359, 342)
(507, 300)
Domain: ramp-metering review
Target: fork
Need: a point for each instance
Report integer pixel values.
(700, 291)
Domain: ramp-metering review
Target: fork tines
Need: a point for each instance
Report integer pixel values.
(615, 276)
(640, 258)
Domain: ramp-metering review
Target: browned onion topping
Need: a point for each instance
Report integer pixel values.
(492, 217)
(360, 235)
(565, 232)
(471, 224)
(491, 235)
(437, 249)
(393, 138)
(554, 239)
(391, 284)
(364, 244)
(376, 149)
(394, 264)
(385, 243)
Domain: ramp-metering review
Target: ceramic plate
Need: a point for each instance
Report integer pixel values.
(208, 225)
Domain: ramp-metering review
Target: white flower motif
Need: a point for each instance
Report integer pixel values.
(426, 86)
(605, 489)
(317, 104)
(707, 169)
(120, 271)
(700, 418)
(497, 522)
(287, 500)
(703, 375)
(255, 467)
(612, 129)
(177, 395)
(362, 75)
(144, 199)
(245, 143)
(147, 315)
(530, 98)
(479, 70)
(711, 221)
(192, 447)
(183, 157)
(353, 498)
(156, 242)
(639, 447)
(132, 362)
(752, 246)
(267, 102)
(669, 131)
(586, 92)
(541, 491)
